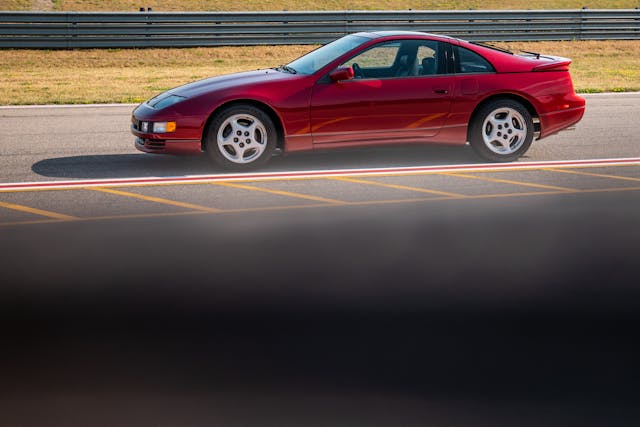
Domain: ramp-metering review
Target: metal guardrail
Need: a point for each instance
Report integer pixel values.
(159, 29)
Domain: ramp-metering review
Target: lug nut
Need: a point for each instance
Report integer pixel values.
(241, 145)
(246, 134)
(239, 133)
(235, 139)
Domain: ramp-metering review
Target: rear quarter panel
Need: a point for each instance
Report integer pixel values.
(550, 93)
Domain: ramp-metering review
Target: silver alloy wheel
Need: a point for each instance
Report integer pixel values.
(242, 138)
(504, 131)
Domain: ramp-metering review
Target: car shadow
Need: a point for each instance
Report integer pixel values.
(121, 166)
(154, 165)
(377, 157)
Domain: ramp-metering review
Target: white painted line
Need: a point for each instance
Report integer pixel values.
(28, 107)
(598, 94)
(191, 179)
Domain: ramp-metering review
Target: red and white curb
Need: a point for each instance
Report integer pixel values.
(264, 176)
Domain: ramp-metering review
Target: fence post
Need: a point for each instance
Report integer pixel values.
(583, 17)
(347, 23)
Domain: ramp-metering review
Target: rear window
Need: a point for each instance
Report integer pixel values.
(470, 62)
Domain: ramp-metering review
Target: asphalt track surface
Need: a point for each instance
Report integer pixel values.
(467, 296)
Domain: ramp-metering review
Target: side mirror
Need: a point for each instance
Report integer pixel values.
(339, 74)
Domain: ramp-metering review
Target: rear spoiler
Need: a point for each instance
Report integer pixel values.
(557, 64)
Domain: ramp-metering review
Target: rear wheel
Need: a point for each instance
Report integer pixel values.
(241, 137)
(502, 131)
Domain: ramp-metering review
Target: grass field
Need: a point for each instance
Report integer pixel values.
(225, 5)
(130, 75)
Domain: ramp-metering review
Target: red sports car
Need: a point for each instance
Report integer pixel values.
(367, 89)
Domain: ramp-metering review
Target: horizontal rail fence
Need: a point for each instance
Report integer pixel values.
(159, 29)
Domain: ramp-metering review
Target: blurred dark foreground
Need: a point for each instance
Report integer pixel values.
(511, 313)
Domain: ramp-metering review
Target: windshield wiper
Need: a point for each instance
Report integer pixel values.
(287, 69)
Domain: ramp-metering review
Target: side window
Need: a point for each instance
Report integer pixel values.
(376, 62)
(429, 62)
(398, 59)
(471, 62)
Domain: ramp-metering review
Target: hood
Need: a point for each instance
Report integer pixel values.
(229, 81)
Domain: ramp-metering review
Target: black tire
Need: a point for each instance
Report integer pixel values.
(241, 137)
(501, 131)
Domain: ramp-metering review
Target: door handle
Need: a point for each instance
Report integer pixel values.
(441, 91)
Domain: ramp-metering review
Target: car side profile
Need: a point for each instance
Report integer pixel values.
(367, 89)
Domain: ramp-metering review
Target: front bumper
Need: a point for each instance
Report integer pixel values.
(182, 141)
(165, 146)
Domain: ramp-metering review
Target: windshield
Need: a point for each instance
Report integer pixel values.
(316, 59)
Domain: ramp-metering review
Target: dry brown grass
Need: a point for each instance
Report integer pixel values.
(17, 5)
(130, 75)
(122, 75)
(226, 5)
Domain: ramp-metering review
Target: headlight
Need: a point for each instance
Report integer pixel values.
(164, 127)
(157, 127)
(164, 101)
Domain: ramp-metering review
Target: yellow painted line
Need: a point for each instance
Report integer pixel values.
(171, 214)
(508, 181)
(154, 199)
(325, 205)
(221, 212)
(308, 178)
(599, 175)
(474, 171)
(399, 187)
(38, 221)
(280, 192)
(33, 190)
(151, 215)
(35, 211)
(109, 217)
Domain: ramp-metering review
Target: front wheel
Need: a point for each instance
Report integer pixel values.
(241, 137)
(502, 131)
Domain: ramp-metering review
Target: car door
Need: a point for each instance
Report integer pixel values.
(401, 92)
